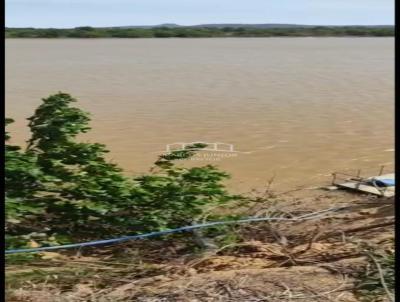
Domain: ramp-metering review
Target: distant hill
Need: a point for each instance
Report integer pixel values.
(169, 25)
(239, 25)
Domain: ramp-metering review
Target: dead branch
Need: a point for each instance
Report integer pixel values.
(356, 229)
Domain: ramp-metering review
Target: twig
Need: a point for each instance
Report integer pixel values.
(340, 287)
(245, 244)
(315, 236)
(281, 239)
(293, 190)
(270, 181)
(288, 291)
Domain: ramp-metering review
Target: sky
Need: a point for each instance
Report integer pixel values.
(72, 13)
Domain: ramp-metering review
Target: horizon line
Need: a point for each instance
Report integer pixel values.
(204, 24)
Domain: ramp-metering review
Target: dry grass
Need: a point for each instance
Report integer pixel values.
(315, 260)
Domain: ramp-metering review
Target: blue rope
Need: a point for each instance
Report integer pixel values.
(159, 233)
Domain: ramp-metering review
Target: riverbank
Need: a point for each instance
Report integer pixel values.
(256, 261)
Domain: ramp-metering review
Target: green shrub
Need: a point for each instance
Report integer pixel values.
(67, 190)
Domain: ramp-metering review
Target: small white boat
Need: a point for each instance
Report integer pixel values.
(382, 185)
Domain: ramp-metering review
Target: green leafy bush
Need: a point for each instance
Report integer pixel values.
(67, 190)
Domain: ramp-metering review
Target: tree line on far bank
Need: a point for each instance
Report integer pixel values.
(199, 32)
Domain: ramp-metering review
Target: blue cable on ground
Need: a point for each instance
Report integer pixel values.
(185, 228)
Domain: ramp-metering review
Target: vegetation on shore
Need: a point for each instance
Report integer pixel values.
(200, 32)
(60, 190)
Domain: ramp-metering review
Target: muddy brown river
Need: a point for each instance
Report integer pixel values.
(295, 109)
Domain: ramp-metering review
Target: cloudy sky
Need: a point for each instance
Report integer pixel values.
(71, 13)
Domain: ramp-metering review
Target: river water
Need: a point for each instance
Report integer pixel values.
(291, 109)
